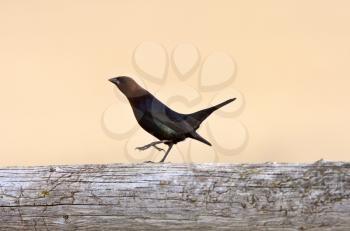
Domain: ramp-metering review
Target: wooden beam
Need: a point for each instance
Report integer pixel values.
(169, 196)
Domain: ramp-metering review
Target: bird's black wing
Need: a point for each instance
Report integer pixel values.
(166, 118)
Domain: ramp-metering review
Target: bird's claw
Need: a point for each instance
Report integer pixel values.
(148, 146)
(158, 148)
(141, 148)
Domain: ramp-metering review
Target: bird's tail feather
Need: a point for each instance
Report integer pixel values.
(196, 136)
(196, 118)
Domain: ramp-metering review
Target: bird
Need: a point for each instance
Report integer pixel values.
(156, 118)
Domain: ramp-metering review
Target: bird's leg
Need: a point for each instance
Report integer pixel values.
(167, 152)
(153, 144)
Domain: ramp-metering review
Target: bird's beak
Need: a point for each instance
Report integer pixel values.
(114, 80)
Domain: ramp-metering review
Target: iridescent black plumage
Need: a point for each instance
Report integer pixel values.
(169, 126)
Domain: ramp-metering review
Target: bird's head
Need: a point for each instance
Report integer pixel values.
(128, 86)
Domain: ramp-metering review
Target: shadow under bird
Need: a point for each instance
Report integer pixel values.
(167, 125)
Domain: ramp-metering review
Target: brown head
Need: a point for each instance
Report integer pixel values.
(128, 86)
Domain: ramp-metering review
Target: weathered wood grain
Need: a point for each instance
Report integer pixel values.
(169, 196)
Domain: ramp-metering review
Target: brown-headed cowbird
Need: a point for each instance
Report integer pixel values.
(156, 118)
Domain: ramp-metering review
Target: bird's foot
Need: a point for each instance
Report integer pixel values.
(158, 148)
(152, 162)
(141, 148)
(154, 144)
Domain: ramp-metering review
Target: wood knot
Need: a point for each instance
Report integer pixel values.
(65, 217)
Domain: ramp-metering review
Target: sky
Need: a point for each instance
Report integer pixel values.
(288, 61)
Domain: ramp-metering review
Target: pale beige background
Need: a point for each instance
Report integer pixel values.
(293, 61)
